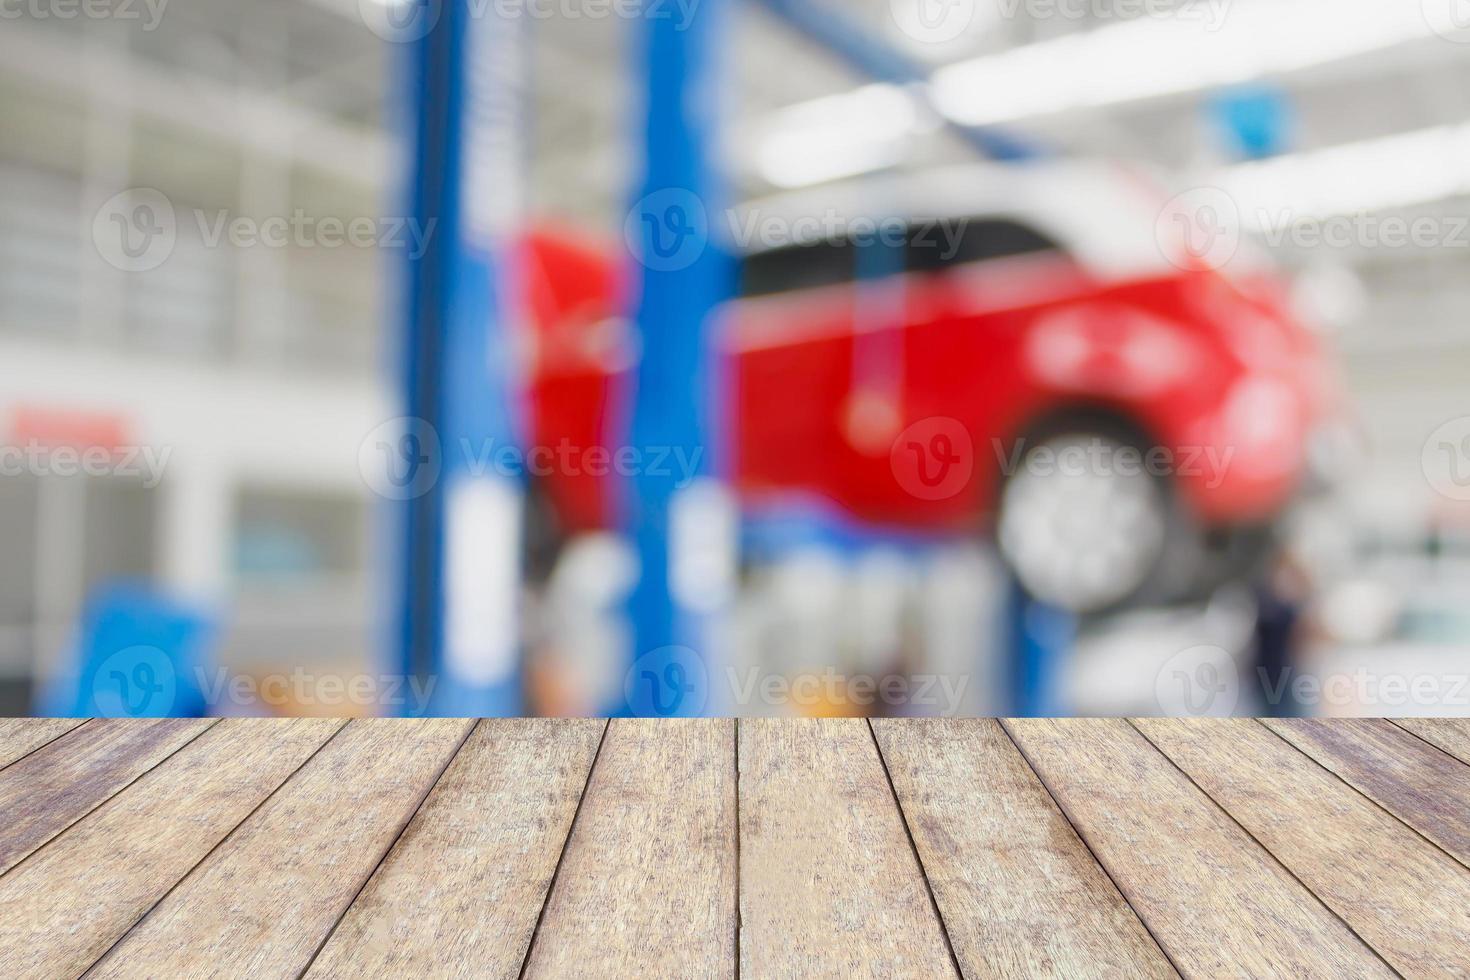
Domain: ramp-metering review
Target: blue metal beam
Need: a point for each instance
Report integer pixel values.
(869, 56)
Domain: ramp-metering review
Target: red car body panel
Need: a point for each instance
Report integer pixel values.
(823, 381)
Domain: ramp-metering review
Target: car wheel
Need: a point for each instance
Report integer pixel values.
(1081, 523)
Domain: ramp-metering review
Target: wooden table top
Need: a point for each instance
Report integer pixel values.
(256, 848)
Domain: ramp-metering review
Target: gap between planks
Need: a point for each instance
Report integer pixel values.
(562, 855)
(218, 844)
(903, 818)
(1262, 845)
(428, 791)
(1082, 839)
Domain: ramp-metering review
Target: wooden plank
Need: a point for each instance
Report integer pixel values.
(829, 884)
(62, 908)
(1451, 735)
(1408, 899)
(1416, 782)
(1019, 892)
(647, 882)
(22, 736)
(1217, 902)
(460, 892)
(261, 904)
(50, 789)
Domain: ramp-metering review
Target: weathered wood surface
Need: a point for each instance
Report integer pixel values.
(1020, 892)
(1420, 784)
(829, 883)
(1321, 829)
(461, 891)
(22, 736)
(646, 885)
(1219, 903)
(1451, 735)
(61, 909)
(51, 788)
(455, 848)
(262, 903)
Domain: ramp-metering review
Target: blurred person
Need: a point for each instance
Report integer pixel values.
(1283, 592)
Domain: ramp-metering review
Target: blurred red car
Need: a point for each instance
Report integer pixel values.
(1035, 354)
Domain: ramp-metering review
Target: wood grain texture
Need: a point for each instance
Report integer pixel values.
(1410, 901)
(1020, 893)
(70, 901)
(460, 892)
(1452, 735)
(1424, 787)
(51, 788)
(829, 884)
(1218, 903)
(646, 886)
(262, 902)
(22, 736)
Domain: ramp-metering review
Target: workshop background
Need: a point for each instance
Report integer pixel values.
(190, 438)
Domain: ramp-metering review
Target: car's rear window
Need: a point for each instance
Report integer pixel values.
(936, 246)
(931, 246)
(829, 262)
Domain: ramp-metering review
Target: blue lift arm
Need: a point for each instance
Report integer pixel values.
(869, 56)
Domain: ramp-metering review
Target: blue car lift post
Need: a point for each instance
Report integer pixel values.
(459, 567)
(684, 535)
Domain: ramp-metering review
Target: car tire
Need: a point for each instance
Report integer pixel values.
(1083, 530)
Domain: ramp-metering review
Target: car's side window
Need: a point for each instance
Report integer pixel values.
(829, 262)
(942, 244)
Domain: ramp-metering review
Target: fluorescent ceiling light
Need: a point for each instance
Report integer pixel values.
(837, 136)
(1203, 45)
(1405, 169)
(1156, 56)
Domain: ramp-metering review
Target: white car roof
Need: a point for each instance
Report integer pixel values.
(1102, 214)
